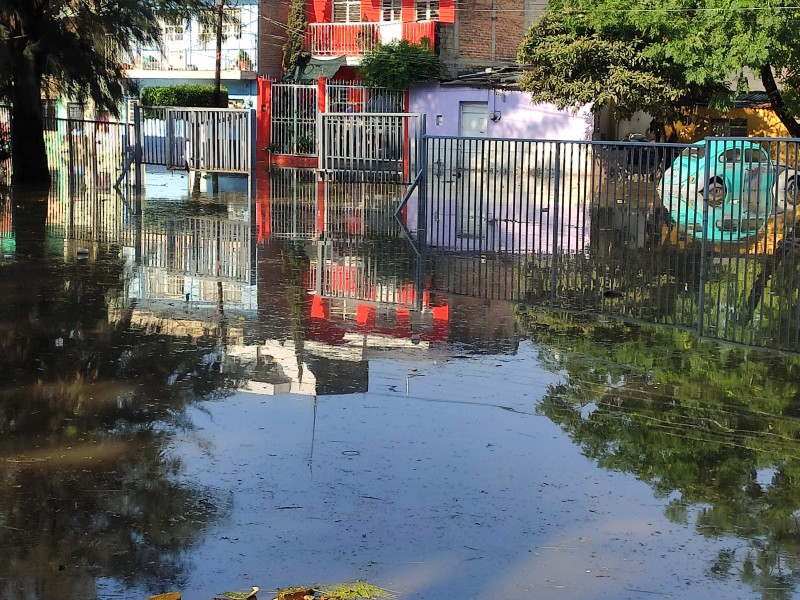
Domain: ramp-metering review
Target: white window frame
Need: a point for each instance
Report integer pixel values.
(346, 11)
(427, 10)
(391, 11)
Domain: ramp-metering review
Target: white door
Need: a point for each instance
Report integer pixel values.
(472, 205)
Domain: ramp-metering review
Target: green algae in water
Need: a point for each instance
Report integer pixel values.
(352, 590)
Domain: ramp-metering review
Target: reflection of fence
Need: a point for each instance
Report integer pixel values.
(364, 269)
(293, 203)
(363, 208)
(703, 236)
(5, 144)
(200, 247)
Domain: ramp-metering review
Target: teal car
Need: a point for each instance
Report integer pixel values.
(736, 180)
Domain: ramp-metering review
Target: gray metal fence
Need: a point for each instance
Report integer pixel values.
(88, 155)
(209, 139)
(353, 97)
(5, 144)
(294, 108)
(703, 236)
(369, 147)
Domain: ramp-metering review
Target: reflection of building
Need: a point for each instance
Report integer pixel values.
(204, 261)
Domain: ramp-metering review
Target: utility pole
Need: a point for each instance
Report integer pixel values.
(218, 66)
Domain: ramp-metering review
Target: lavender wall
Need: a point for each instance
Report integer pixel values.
(519, 117)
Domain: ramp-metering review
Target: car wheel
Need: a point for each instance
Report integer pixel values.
(790, 192)
(716, 193)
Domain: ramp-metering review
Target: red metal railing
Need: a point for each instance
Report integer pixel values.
(357, 39)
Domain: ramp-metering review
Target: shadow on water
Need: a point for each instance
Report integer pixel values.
(88, 399)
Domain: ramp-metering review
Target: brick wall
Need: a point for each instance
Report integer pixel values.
(487, 33)
(271, 36)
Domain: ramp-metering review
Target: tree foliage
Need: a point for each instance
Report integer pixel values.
(712, 427)
(74, 48)
(637, 55)
(183, 95)
(398, 65)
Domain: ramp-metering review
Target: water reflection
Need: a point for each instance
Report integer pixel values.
(119, 317)
(88, 490)
(713, 430)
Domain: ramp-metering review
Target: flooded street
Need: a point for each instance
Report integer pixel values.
(195, 399)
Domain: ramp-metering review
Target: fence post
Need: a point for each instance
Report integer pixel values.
(252, 146)
(422, 209)
(701, 295)
(137, 147)
(556, 209)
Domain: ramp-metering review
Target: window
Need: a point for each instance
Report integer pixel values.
(729, 127)
(390, 10)
(427, 10)
(173, 32)
(347, 11)
(207, 26)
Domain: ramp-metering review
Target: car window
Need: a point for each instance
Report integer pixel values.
(754, 155)
(693, 152)
(732, 155)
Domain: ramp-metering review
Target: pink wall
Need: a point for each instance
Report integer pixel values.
(519, 117)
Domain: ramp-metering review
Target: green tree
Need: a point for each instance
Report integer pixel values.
(398, 65)
(70, 47)
(636, 55)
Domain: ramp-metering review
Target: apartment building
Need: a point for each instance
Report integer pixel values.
(187, 53)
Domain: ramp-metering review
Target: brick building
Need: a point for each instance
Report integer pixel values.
(468, 35)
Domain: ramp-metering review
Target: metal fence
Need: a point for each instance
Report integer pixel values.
(88, 155)
(703, 236)
(369, 147)
(353, 97)
(294, 108)
(5, 144)
(293, 114)
(209, 139)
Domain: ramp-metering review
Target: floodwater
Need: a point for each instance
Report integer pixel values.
(189, 404)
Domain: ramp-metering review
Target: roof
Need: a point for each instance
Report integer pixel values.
(753, 100)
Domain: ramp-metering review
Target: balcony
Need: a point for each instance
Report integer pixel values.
(191, 65)
(357, 39)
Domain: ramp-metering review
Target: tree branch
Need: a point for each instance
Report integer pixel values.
(778, 105)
